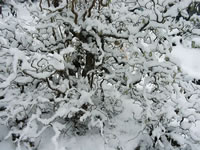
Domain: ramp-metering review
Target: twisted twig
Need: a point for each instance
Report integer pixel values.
(74, 12)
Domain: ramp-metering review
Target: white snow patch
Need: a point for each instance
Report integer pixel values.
(189, 60)
(5, 144)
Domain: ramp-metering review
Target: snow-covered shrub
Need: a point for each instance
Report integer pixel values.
(78, 62)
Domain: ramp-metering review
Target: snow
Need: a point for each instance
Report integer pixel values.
(189, 60)
(123, 135)
(125, 128)
(5, 144)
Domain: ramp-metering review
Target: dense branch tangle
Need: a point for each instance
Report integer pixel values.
(62, 32)
(80, 9)
(85, 57)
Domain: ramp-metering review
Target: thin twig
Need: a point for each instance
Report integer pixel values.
(74, 12)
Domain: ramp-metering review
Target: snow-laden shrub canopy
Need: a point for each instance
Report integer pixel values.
(76, 65)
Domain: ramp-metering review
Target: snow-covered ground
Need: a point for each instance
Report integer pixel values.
(121, 135)
(5, 145)
(189, 60)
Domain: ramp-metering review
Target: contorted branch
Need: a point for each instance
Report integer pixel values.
(40, 5)
(74, 12)
(90, 9)
(144, 26)
(84, 15)
(48, 2)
